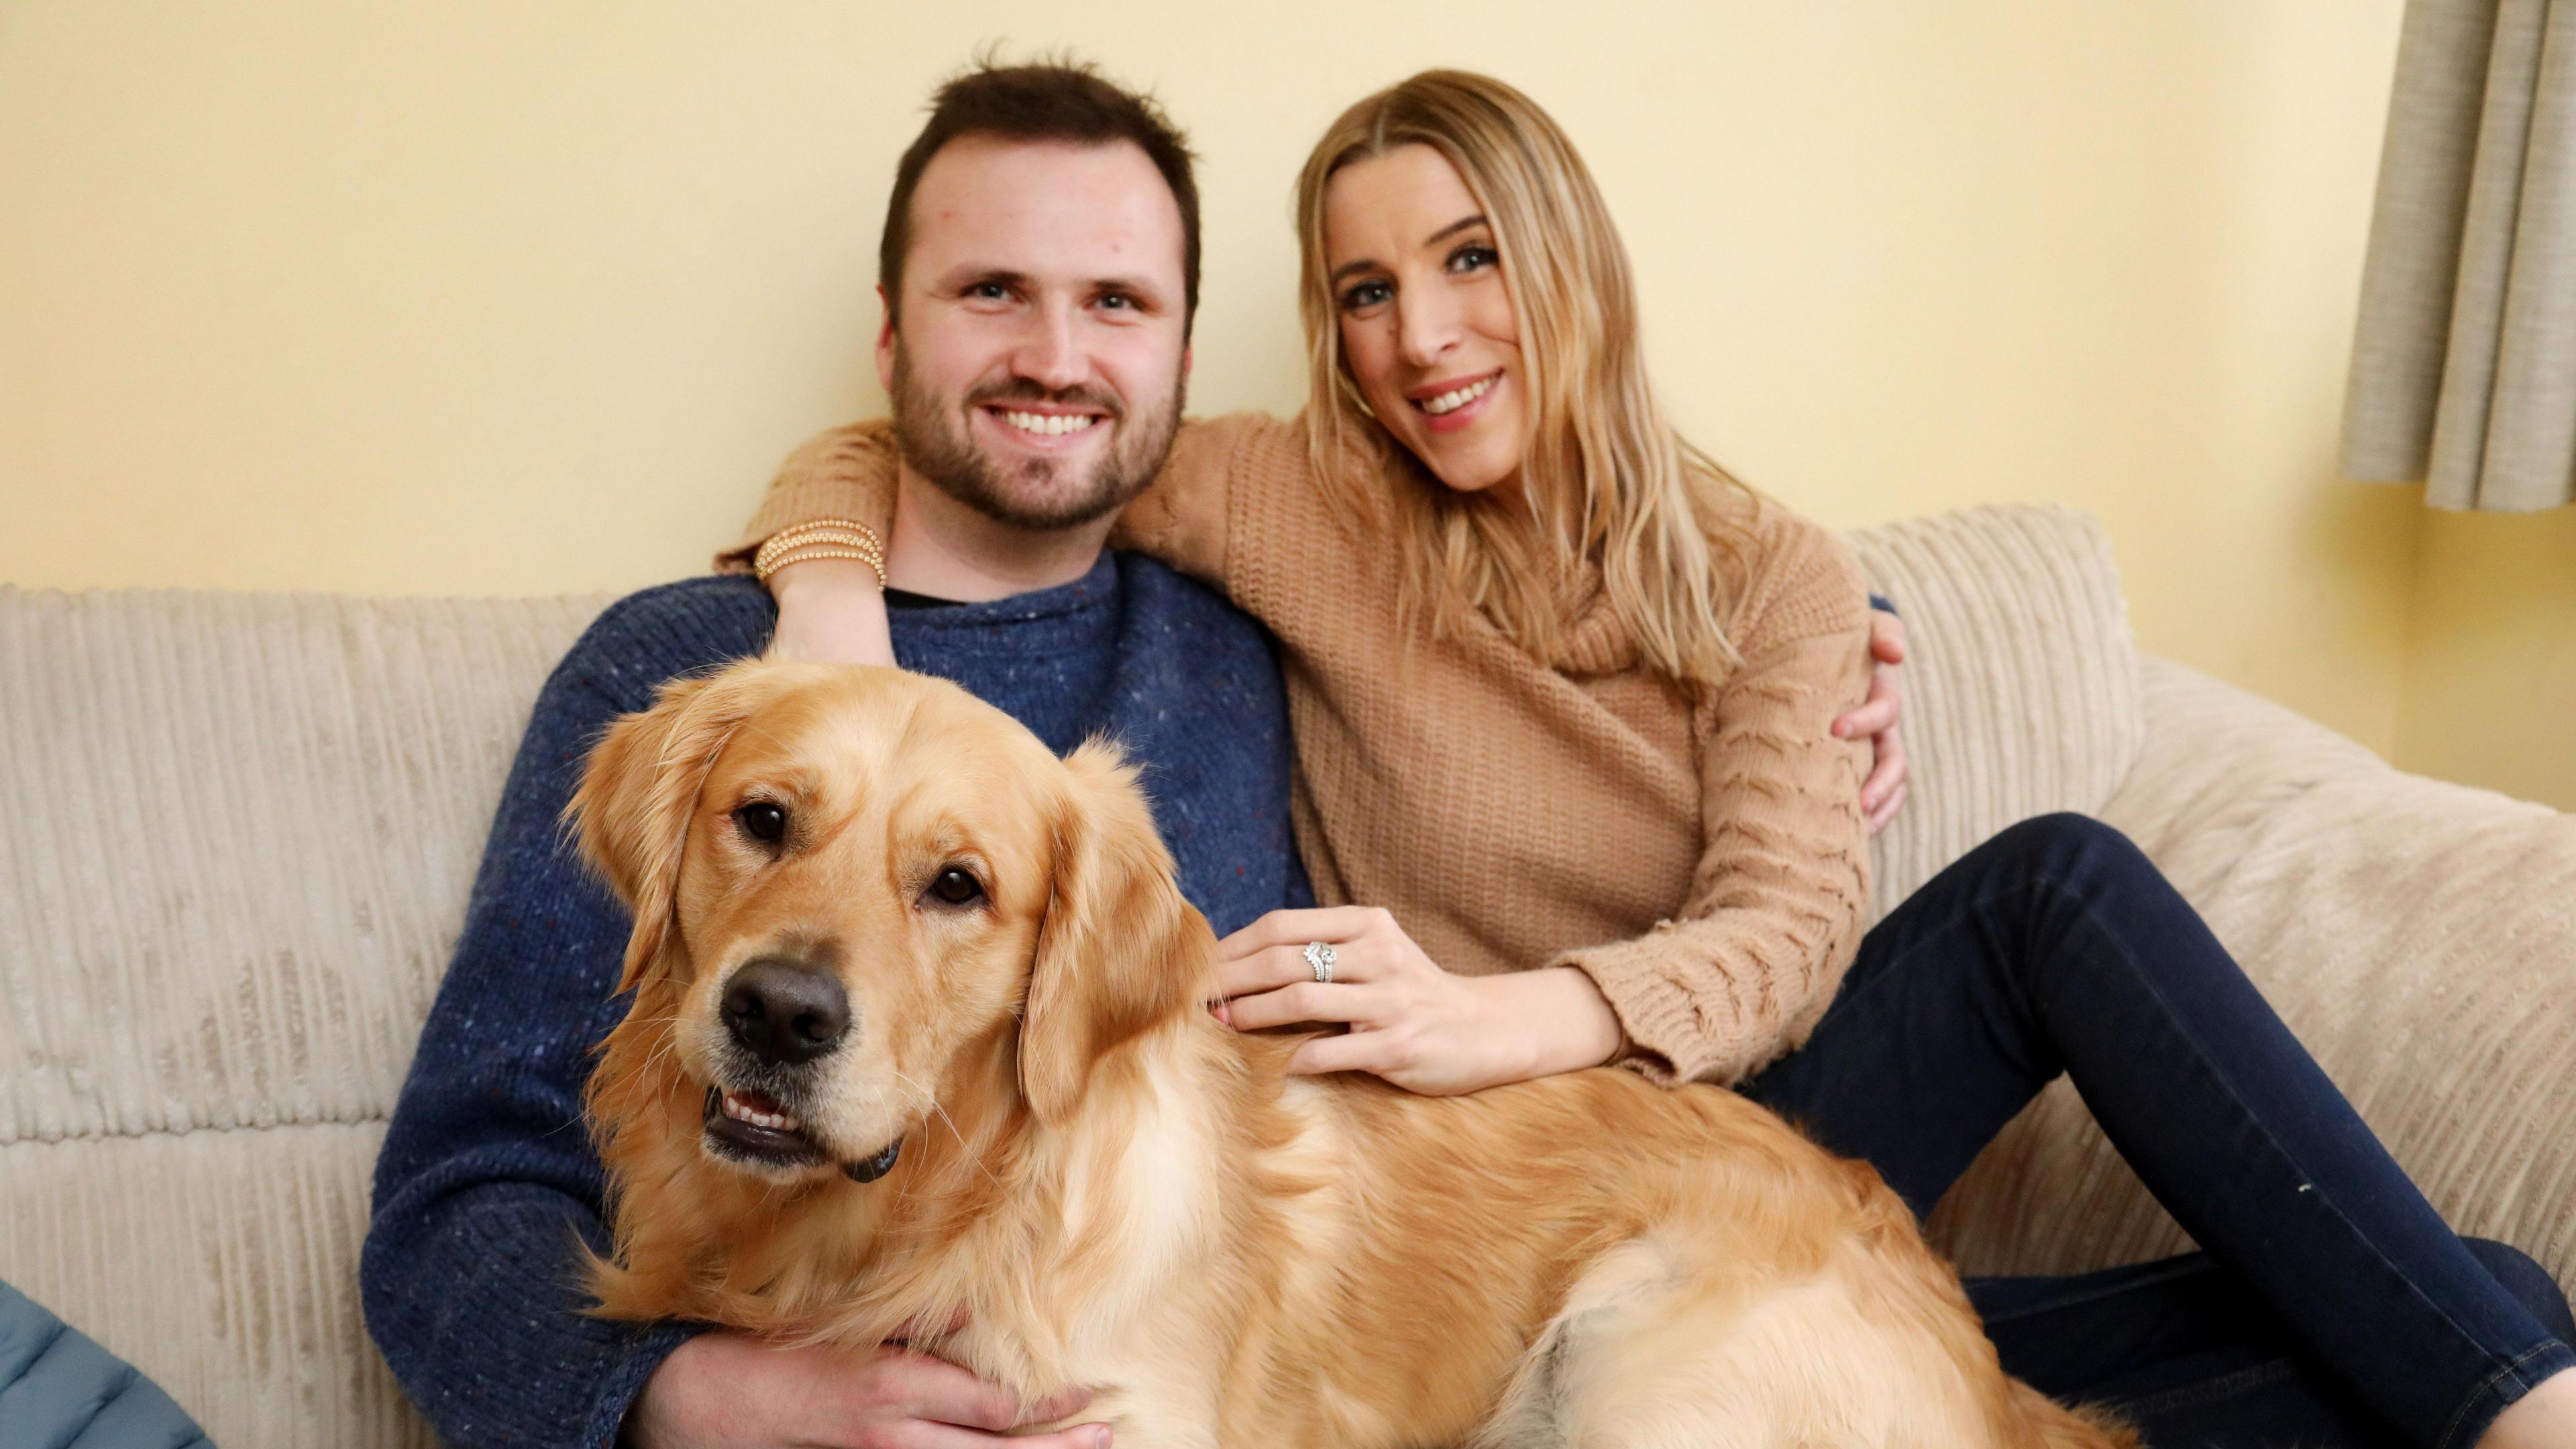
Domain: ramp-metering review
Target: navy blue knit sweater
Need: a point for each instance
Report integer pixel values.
(470, 1277)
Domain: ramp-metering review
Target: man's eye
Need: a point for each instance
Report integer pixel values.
(1366, 294)
(955, 886)
(763, 821)
(989, 292)
(1118, 302)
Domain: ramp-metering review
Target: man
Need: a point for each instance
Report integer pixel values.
(1042, 243)
(1041, 252)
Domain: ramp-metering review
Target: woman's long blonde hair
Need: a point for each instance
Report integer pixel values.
(1605, 478)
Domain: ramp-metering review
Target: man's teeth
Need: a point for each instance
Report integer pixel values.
(774, 1121)
(1456, 398)
(1050, 424)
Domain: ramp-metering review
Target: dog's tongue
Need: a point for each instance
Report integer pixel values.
(760, 1102)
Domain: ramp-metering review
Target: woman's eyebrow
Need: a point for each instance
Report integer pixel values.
(1453, 228)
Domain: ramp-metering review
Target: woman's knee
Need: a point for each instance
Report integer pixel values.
(2074, 877)
(2532, 1285)
(2065, 849)
(2067, 835)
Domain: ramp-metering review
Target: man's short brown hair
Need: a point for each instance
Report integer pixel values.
(1061, 101)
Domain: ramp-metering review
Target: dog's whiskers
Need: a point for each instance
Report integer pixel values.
(942, 1112)
(667, 1042)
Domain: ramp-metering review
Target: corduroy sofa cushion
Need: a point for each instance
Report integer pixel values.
(2021, 678)
(2420, 938)
(242, 834)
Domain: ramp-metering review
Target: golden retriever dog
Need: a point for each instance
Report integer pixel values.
(920, 1037)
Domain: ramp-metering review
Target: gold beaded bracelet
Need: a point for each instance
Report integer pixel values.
(813, 526)
(818, 548)
(821, 538)
(816, 551)
(773, 553)
(828, 530)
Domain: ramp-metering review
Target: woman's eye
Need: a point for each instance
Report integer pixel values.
(763, 821)
(1366, 294)
(1472, 258)
(955, 886)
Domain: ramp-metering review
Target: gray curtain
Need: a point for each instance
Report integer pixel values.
(2464, 362)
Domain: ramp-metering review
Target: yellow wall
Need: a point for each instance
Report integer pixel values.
(2490, 693)
(503, 297)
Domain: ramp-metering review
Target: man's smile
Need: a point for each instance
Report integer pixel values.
(1047, 429)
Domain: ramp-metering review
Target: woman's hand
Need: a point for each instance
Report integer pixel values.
(1411, 1022)
(830, 610)
(1880, 718)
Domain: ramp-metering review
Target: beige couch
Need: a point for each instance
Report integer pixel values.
(242, 829)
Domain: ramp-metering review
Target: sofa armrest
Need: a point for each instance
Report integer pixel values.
(2420, 937)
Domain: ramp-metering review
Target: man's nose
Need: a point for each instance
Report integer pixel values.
(785, 1012)
(1050, 351)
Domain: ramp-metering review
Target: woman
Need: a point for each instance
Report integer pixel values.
(1561, 693)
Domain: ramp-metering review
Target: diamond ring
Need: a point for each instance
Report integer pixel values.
(1319, 959)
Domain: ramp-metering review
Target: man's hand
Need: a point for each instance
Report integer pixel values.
(830, 610)
(730, 1391)
(1878, 717)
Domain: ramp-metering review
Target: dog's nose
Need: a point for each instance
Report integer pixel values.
(786, 1013)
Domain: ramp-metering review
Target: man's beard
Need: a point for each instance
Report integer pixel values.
(936, 438)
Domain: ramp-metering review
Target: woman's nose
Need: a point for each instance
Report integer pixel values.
(1427, 325)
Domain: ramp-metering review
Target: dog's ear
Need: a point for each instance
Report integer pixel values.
(1120, 950)
(638, 791)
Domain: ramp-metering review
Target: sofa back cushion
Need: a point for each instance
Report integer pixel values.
(241, 833)
(2021, 678)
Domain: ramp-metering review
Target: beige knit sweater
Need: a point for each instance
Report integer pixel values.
(1700, 853)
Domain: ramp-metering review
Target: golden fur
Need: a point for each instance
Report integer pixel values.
(1099, 1184)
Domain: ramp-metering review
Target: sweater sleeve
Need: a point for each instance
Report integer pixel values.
(488, 1187)
(845, 472)
(1181, 518)
(1774, 914)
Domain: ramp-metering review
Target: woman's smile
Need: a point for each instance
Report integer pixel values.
(1449, 407)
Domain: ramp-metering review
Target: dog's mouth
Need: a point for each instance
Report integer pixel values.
(751, 1127)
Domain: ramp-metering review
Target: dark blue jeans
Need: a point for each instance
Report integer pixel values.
(2332, 1305)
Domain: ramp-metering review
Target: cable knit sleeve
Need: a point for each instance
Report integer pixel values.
(1182, 518)
(1774, 913)
(847, 472)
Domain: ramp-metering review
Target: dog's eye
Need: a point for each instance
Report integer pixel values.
(955, 886)
(763, 821)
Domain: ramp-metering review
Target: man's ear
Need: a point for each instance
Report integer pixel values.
(631, 812)
(1120, 951)
(886, 340)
